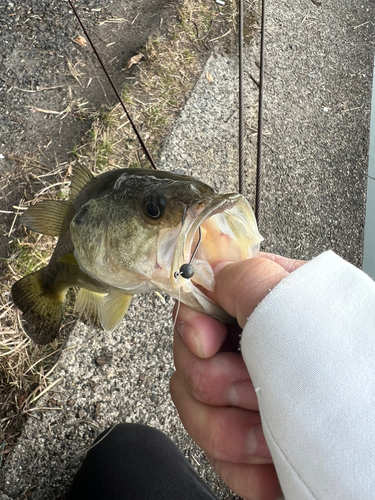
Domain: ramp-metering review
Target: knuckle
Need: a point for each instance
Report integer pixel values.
(197, 384)
(216, 441)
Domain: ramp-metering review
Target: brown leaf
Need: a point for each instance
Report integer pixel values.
(80, 40)
(209, 78)
(133, 60)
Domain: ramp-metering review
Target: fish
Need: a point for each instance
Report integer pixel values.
(126, 232)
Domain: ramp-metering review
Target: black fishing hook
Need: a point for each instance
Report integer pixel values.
(187, 270)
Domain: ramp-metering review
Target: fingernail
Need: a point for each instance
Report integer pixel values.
(179, 327)
(241, 393)
(252, 442)
(256, 443)
(191, 337)
(233, 397)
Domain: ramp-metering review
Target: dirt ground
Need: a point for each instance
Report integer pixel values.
(37, 41)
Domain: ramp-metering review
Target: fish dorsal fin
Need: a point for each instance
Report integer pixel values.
(51, 217)
(87, 305)
(81, 176)
(113, 308)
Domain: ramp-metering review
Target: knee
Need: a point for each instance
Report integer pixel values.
(130, 435)
(131, 441)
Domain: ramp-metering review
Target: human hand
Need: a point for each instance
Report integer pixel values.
(211, 387)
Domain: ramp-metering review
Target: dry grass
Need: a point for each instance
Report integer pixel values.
(24, 366)
(160, 85)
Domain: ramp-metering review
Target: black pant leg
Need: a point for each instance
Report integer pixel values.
(135, 461)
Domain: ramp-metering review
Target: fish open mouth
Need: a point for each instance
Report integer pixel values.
(228, 233)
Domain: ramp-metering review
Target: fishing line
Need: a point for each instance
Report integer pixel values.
(183, 216)
(100, 440)
(144, 147)
(187, 270)
(177, 311)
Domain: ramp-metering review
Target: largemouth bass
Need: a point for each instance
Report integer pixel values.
(129, 231)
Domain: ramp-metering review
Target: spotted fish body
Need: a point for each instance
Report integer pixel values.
(125, 232)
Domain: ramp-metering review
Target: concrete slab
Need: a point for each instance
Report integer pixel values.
(317, 107)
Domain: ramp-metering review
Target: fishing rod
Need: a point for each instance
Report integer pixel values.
(144, 147)
(259, 172)
(241, 159)
(241, 166)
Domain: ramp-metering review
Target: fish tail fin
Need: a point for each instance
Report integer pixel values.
(41, 307)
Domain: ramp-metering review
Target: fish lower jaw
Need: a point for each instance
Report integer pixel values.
(226, 230)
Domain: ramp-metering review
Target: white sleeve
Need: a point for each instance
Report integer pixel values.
(309, 347)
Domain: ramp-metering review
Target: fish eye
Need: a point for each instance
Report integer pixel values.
(155, 206)
(153, 210)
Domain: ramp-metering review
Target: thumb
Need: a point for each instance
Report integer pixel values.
(241, 286)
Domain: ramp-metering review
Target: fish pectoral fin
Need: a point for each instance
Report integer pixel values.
(87, 305)
(41, 307)
(112, 309)
(81, 176)
(68, 258)
(51, 217)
